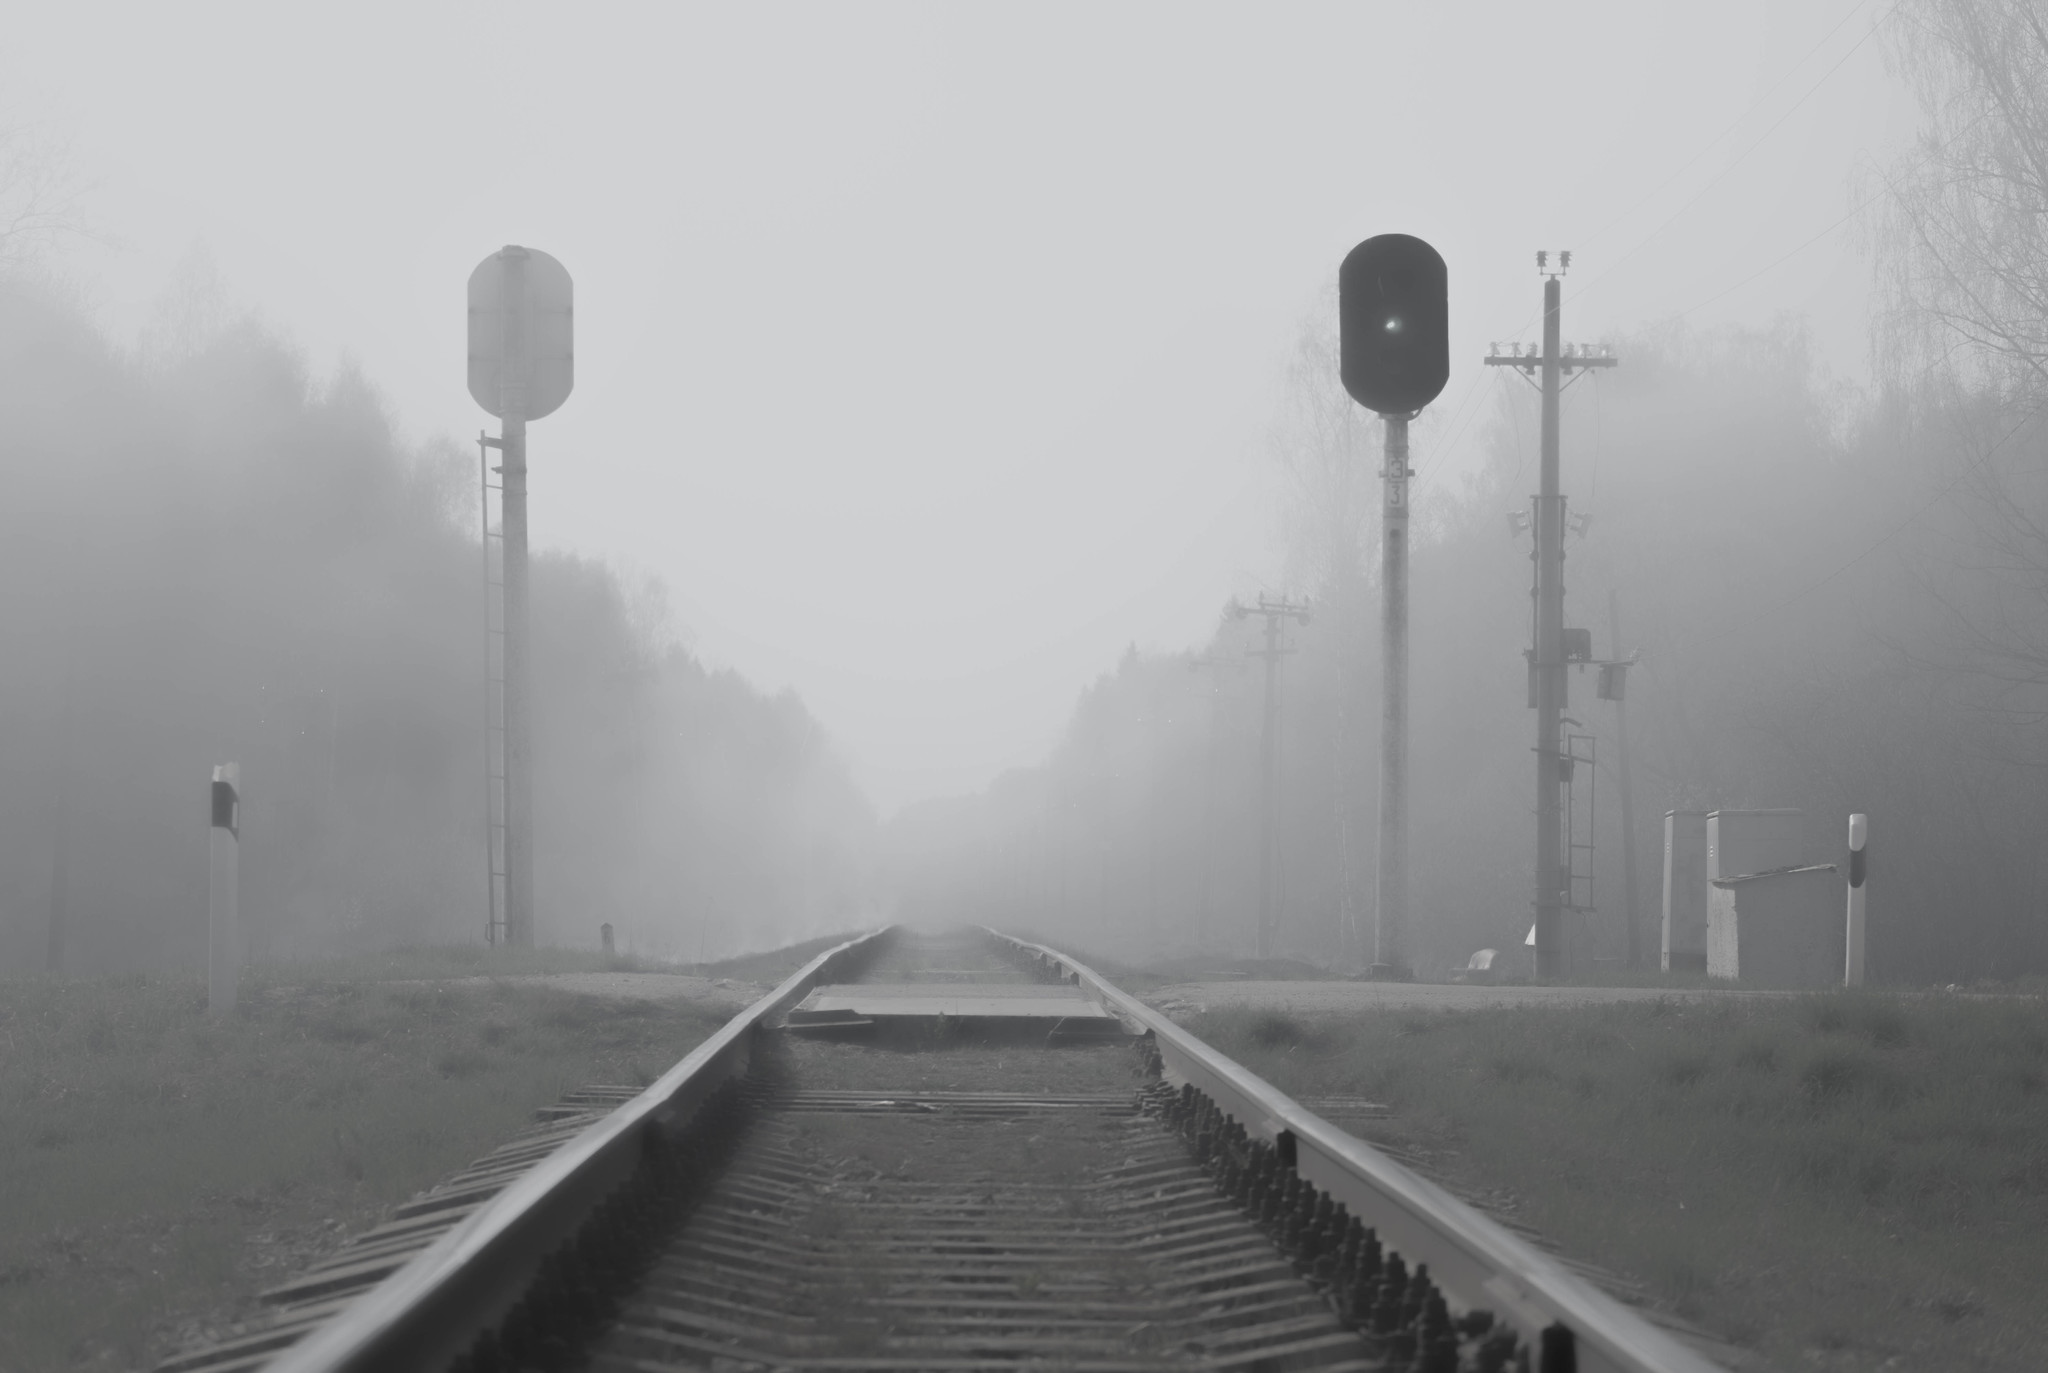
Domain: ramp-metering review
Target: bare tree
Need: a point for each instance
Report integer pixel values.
(1324, 445)
(41, 201)
(1962, 243)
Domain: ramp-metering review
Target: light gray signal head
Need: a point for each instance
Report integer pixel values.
(521, 328)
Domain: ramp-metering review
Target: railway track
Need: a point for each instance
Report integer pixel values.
(942, 1153)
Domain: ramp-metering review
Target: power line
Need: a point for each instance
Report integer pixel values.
(1439, 450)
(1718, 177)
(1858, 208)
(1854, 210)
(1740, 120)
(1737, 161)
(1431, 467)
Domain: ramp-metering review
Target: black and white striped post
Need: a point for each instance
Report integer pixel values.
(1859, 835)
(223, 873)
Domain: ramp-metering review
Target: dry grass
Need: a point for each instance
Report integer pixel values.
(157, 1169)
(1835, 1181)
(430, 961)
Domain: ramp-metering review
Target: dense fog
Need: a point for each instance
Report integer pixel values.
(1814, 617)
(1836, 592)
(211, 551)
(210, 555)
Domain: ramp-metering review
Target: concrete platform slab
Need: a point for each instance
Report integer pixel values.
(954, 1000)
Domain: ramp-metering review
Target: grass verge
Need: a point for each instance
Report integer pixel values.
(1836, 1181)
(429, 962)
(158, 1168)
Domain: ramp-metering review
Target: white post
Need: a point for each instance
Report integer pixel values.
(223, 872)
(1859, 835)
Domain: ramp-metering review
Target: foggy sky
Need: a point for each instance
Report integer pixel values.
(925, 351)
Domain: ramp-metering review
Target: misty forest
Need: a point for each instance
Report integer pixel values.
(217, 556)
(1836, 593)
(887, 842)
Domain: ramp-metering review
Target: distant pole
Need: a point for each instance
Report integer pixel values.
(1211, 837)
(223, 873)
(1390, 916)
(1275, 610)
(1859, 835)
(60, 875)
(1628, 813)
(60, 845)
(1269, 770)
(518, 706)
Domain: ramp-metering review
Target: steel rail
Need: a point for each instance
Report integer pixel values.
(433, 1309)
(1478, 1263)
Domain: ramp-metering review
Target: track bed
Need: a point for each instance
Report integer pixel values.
(941, 1153)
(937, 1201)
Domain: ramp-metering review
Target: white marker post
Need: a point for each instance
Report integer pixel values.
(1859, 835)
(223, 873)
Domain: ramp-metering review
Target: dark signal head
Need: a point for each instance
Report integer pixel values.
(1393, 309)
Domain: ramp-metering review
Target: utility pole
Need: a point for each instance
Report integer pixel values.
(1276, 610)
(1612, 688)
(60, 877)
(1206, 909)
(60, 846)
(1547, 652)
(520, 368)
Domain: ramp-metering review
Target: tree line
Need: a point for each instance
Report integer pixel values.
(207, 554)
